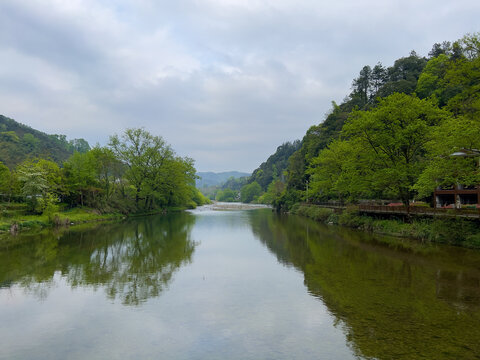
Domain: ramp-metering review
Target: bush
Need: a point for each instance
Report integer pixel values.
(473, 240)
(191, 204)
(454, 231)
(314, 212)
(351, 218)
(49, 205)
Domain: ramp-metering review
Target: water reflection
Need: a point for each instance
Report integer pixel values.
(132, 261)
(419, 302)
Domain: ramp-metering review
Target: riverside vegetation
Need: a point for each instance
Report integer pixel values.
(390, 138)
(137, 173)
(453, 231)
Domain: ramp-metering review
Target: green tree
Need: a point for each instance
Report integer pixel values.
(471, 45)
(461, 87)
(343, 171)
(439, 49)
(54, 177)
(80, 172)
(395, 134)
(31, 142)
(5, 182)
(157, 175)
(450, 136)
(250, 192)
(274, 192)
(34, 184)
(432, 75)
(227, 195)
(108, 169)
(80, 145)
(275, 165)
(172, 182)
(362, 86)
(403, 75)
(378, 77)
(143, 154)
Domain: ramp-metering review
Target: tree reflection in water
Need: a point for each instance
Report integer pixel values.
(408, 303)
(132, 261)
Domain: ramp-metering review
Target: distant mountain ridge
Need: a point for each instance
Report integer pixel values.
(19, 142)
(215, 179)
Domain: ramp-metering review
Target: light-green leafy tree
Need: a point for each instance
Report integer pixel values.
(158, 177)
(34, 184)
(144, 156)
(394, 135)
(81, 178)
(450, 136)
(250, 192)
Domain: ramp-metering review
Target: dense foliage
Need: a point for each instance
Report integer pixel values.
(274, 167)
(392, 137)
(19, 142)
(136, 172)
(211, 179)
(228, 190)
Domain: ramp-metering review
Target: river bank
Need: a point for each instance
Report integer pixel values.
(71, 217)
(76, 216)
(453, 231)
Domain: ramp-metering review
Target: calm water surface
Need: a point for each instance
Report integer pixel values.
(234, 285)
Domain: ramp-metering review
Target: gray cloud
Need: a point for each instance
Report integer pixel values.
(224, 82)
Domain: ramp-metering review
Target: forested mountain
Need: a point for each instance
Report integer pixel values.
(19, 142)
(224, 186)
(249, 188)
(275, 165)
(392, 135)
(216, 179)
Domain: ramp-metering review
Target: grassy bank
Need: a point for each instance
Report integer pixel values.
(69, 217)
(460, 232)
(15, 214)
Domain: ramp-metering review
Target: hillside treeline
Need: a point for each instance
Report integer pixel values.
(262, 186)
(392, 136)
(136, 172)
(19, 142)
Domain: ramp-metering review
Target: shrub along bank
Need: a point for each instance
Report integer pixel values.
(454, 231)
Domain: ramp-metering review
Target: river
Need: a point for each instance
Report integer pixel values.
(240, 284)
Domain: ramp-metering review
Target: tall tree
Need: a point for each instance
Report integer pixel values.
(141, 152)
(362, 85)
(5, 182)
(33, 181)
(108, 169)
(80, 172)
(452, 135)
(440, 49)
(396, 133)
(378, 78)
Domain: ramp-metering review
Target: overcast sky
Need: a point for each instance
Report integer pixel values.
(223, 81)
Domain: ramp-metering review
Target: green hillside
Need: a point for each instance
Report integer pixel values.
(275, 165)
(216, 179)
(392, 136)
(19, 142)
